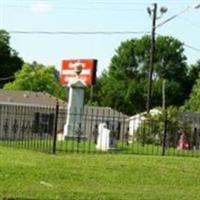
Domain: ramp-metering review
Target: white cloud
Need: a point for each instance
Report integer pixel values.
(41, 6)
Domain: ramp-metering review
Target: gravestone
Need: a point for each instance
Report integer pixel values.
(103, 139)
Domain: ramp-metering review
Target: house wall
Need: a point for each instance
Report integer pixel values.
(24, 121)
(92, 117)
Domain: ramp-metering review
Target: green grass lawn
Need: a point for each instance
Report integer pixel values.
(32, 175)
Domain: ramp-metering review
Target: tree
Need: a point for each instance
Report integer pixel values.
(125, 83)
(9, 60)
(37, 77)
(193, 103)
(193, 73)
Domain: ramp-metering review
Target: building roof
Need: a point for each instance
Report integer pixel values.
(153, 112)
(103, 111)
(44, 99)
(28, 97)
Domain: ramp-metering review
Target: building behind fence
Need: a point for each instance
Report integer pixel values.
(38, 124)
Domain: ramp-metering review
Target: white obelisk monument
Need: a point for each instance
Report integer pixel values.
(75, 104)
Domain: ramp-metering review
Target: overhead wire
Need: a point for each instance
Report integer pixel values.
(175, 16)
(96, 32)
(183, 18)
(77, 32)
(88, 2)
(90, 33)
(191, 47)
(194, 5)
(106, 2)
(74, 7)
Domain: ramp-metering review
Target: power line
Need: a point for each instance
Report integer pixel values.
(77, 32)
(87, 7)
(186, 45)
(171, 18)
(182, 18)
(191, 47)
(52, 33)
(106, 2)
(185, 19)
(91, 2)
(195, 6)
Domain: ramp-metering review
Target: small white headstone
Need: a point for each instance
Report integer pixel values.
(103, 139)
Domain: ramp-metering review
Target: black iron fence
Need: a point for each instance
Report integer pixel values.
(96, 130)
(31, 127)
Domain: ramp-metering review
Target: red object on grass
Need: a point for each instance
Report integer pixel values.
(183, 143)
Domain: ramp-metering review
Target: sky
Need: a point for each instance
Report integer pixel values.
(92, 16)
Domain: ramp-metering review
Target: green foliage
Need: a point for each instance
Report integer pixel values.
(194, 71)
(150, 130)
(193, 103)
(92, 93)
(9, 60)
(124, 85)
(131, 59)
(37, 77)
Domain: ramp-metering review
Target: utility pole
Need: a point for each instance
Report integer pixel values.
(163, 95)
(153, 14)
(165, 118)
(152, 53)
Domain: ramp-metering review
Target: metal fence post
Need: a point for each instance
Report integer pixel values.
(164, 133)
(55, 128)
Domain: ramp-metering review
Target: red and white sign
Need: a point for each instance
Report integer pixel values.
(87, 75)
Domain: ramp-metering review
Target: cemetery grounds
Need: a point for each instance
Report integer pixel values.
(25, 174)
